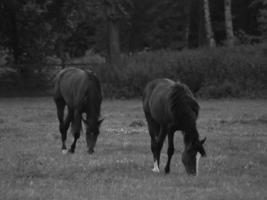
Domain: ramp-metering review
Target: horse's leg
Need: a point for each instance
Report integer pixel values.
(65, 128)
(158, 145)
(60, 103)
(153, 128)
(170, 150)
(76, 129)
(90, 141)
(68, 118)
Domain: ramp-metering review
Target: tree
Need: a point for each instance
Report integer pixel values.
(228, 23)
(208, 26)
(113, 31)
(170, 24)
(115, 12)
(262, 19)
(9, 11)
(135, 28)
(64, 18)
(201, 37)
(24, 30)
(187, 21)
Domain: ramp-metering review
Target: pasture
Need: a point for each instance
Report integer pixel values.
(33, 167)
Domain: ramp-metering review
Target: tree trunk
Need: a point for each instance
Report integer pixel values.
(228, 23)
(188, 22)
(202, 40)
(114, 42)
(15, 38)
(61, 51)
(11, 7)
(208, 26)
(113, 32)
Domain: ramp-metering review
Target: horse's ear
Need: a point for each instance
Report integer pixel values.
(100, 121)
(203, 141)
(203, 153)
(189, 146)
(84, 120)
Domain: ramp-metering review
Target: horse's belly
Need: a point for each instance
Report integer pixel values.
(160, 113)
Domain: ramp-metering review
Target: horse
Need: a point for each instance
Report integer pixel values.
(168, 107)
(80, 91)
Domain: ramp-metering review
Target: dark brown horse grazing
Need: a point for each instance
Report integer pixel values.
(170, 106)
(80, 90)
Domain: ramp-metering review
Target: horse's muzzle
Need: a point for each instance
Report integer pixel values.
(191, 173)
(91, 151)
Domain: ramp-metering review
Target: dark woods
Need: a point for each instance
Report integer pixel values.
(32, 30)
(128, 43)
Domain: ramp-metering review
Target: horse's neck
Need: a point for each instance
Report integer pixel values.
(93, 109)
(93, 114)
(191, 135)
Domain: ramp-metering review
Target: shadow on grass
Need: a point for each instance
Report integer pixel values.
(124, 148)
(246, 120)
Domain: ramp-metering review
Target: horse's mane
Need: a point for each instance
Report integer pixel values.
(185, 110)
(183, 104)
(97, 104)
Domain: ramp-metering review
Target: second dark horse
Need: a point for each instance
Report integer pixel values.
(80, 90)
(170, 106)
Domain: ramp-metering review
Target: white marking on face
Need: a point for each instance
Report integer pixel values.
(197, 161)
(156, 167)
(64, 151)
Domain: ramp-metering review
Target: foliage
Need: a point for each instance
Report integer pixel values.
(263, 18)
(221, 72)
(32, 30)
(23, 30)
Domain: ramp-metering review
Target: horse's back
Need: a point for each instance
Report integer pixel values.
(164, 98)
(73, 85)
(155, 99)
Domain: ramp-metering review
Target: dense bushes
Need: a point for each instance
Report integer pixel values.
(24, 80)
(210, 73)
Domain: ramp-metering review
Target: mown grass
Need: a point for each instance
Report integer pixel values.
(32, 166)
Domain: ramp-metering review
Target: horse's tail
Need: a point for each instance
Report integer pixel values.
(182, 101)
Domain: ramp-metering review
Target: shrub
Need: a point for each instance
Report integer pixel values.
(212, 73)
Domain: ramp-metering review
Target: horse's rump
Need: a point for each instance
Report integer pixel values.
(77, 87)
(155, 100)
(165, 100)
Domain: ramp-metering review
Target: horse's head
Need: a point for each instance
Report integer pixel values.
(92, 132)
(191, 155)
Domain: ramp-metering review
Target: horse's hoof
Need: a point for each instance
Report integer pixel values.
(167, 170)
(91, 151)
(71, 151)
(156, 167)
(155, 170)
(64, 151)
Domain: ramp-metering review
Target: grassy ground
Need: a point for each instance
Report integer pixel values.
(32, 166)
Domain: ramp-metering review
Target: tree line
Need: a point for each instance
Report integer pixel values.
(31, 30)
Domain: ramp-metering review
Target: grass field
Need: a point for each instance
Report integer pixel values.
(32, 166)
